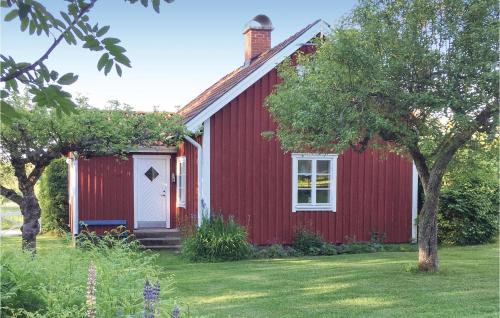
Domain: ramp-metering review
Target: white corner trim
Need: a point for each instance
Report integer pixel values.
(414, 202)
(136, 184)
(199, 174)
(195, 123)
(73, 192)
(332, 206)
(205, 178)
(178, 171)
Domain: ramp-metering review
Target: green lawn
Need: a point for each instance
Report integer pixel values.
(363, 285)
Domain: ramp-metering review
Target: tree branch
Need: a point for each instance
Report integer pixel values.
(450, 147)
(11, 195)
(31, 67)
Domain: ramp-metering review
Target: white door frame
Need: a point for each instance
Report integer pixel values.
(166, 158)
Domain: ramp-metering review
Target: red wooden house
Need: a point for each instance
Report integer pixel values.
(230, 169)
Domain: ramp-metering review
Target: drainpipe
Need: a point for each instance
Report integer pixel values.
(200, 154)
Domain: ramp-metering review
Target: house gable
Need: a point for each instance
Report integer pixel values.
(232, 85)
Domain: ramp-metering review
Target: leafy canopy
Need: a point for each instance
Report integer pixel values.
(73, 26)
(40, 135)
(416, 73)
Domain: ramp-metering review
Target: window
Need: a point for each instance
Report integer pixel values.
(314, 182)
(181, 182)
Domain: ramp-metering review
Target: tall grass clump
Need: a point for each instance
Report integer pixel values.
(217, 240)
(54, 283)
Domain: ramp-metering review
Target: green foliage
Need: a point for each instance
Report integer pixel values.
(73, 26)
(53, 283)
(468, 213)
(415, 73)
(273, 251)
(217, 240)
(53, 196)
(308, 242)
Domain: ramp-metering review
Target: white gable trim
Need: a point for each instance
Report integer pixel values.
(195, 123)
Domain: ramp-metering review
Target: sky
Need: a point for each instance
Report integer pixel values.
(175, 55)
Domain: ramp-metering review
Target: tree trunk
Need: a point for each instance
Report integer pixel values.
(427, 225)
(31, 213)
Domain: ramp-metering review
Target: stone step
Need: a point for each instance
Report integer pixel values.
(152, 241)
(155, 233)
(162, 247)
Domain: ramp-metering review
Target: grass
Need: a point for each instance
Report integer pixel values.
(10, 221)
(361, 285)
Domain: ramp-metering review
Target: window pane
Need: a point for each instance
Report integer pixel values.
(323, 166)
(322, 196)
(322, 181)
(304, 181)
(304, 166)
(304, 196)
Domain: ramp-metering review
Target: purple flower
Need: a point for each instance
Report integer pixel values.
(151, 299)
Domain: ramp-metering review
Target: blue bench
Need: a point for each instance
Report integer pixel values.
(103, 222)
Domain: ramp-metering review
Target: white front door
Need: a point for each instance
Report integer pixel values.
(151, 191)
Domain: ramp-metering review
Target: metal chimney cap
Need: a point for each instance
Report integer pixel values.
(261, 22)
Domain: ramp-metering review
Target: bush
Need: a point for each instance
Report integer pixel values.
(217, 240)
(53, 196)
(468, 212)
(273, 251)
(53, 283)
(308, 242)
(329, 249)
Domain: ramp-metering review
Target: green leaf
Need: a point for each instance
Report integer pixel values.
(24, 24)
(67, 79)
(118, 70)
(78, 33)
(4, 94)
(102, 31)
(32, 27)
(115, 49)
(66, 17)
(120, 58)
(144, 3)
(24, 9)
(91, 42)
(156, 5)
(54, 75)
(102, 61)
(108, 67)
(11, 15)
(110, 41)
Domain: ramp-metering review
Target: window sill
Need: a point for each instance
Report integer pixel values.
(315, 208)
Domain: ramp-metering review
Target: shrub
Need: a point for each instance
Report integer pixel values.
(273, 251)
(468, 213)
(217, 240)
(53, 196)
(329, 249)
(53, 283)
(308, 242)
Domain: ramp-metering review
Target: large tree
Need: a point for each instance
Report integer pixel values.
(420, 76)
(73, 26)
(40, 135)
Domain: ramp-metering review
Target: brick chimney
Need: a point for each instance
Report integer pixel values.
(257, 37)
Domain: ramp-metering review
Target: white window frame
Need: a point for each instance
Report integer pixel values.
(180, 171)
(332, 206)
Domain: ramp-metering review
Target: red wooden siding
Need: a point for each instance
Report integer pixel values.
(105, 190)
(189, 214)
(251, 179)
